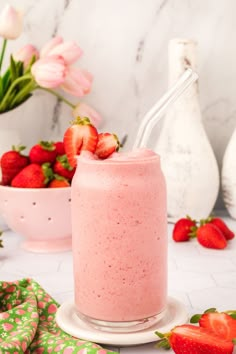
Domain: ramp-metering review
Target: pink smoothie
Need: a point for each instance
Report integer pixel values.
(119, 233)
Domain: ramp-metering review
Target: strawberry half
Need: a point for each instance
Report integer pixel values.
(183, 229)
(107, 144)
(82, 135)
(189, 339)
(221, 324)
(210, 236)
(12, 162)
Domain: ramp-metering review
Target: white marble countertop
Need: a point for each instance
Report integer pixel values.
(201, 278)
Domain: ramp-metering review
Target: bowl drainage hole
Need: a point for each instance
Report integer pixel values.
(49, 219)
(34, 203)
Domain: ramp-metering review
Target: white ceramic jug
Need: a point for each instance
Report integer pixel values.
(228, 174)
(187, 158)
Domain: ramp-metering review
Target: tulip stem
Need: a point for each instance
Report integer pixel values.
(11, 88)
(60, 97)
(2, 53)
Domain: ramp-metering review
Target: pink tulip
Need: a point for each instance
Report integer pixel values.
(11, 24)
(70, 51)
(49, 72)
(25, 54)
(84, 110)
(77, 82)
(50, 45)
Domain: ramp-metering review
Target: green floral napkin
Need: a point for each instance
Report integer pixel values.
(27, 323)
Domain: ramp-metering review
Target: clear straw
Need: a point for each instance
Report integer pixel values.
(156, 112)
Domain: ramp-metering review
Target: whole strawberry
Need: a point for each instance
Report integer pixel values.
(63, 168)
(42, 152)
(58, 182)
(12, 162)
(33, 176)
(218, 222)
(208, 235)
(183, 229)
(60, 147)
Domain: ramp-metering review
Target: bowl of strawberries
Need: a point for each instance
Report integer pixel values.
(35, 195)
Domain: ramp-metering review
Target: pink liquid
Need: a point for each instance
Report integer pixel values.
(119, 233)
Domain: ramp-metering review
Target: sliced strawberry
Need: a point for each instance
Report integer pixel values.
(210, 236)
(183, 229)
(82, 135)
(221, 324)
(228, 234)
(107, 144)
(189, 339)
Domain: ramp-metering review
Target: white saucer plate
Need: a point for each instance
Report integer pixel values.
(69, 322)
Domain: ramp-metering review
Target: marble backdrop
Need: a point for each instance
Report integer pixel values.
(125, 48)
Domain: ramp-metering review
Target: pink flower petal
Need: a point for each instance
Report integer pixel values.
(49, 72)
(50, 45)
(77, 82)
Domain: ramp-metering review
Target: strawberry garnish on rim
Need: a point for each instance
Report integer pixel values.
(82, 135)
(107, 144)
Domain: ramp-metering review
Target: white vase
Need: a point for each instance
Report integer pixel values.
(187, 158)
(228, 176)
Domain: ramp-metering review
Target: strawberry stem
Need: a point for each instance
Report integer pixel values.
(164, 341)
(81, 121)
(18, 148)
(47, 145)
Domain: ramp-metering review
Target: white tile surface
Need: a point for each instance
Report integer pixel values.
(199, 277)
